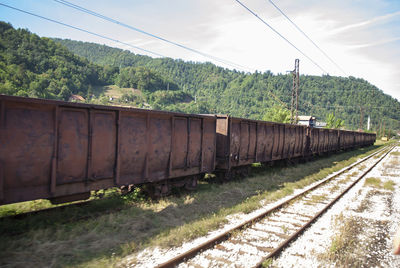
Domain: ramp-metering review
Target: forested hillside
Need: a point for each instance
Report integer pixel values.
(42, 67)
(249, 95)
(31, 66)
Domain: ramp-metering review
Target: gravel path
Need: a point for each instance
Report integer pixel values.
(358, 230)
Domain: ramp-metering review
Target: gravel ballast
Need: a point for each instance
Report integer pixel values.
(374, 210)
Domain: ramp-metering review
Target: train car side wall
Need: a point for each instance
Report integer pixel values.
(52, 149)
(241, 142)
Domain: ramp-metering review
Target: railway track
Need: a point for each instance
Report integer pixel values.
(264, 236)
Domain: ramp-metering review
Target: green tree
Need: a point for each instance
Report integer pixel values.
(333, 122)
(278, 114)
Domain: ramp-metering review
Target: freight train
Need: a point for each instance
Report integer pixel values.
(62, 151)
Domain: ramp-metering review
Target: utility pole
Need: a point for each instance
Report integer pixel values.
(295, 93)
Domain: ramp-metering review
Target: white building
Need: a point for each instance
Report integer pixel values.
(307, 120)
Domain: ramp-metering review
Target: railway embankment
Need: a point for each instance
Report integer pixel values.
(123, 236)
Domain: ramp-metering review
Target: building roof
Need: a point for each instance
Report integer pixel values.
(305, 117)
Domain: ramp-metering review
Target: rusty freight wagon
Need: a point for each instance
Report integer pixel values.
(324, 140)
(62, 151)
(241, 142)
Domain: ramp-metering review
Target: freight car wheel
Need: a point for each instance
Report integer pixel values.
(157, 190)
(224, 176)
(191, 182)
(243, 171)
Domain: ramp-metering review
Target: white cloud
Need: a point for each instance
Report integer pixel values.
(366, 22)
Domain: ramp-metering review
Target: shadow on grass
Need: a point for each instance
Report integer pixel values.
(103, 238)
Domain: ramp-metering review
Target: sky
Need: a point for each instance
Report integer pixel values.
(361, 37)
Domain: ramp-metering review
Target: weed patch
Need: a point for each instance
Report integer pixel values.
(377, 183)
(389, 185)
(371, 181)
(342, 248)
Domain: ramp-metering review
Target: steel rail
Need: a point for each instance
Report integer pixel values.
(225, 235)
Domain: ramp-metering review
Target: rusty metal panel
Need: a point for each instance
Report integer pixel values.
(281, 140)
(194, 156)
(159, 135)
(263, 150)
(326, 140)
(223, 139)
(26, 149)
(276, 150)
(26, 144)
(288, 143)
(244, 141)
(180, 142)
(132, 147)
(345, 139)
(297, 141)
(251, 155)
(269, 132)
(209, 144)
(315, 140)
(320, 143)
(321, 140)
(235, 142)
(72, 145)
(292, 141)
(53, 176)
(342, 139)
(301, 141)
(103, 144)
(336, 140)
(306, 141)
(117, 149)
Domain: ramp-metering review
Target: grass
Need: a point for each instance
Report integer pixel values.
(105, 238)
(344, 242)
(357, 242)
(316, 199)
(268, 262)
(389, 185)
(22, 207)
(374, 182)
(377, 183)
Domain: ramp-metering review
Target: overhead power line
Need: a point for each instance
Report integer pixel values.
(90, 12)
(298, 28)
(284, 38)
(82, 30)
